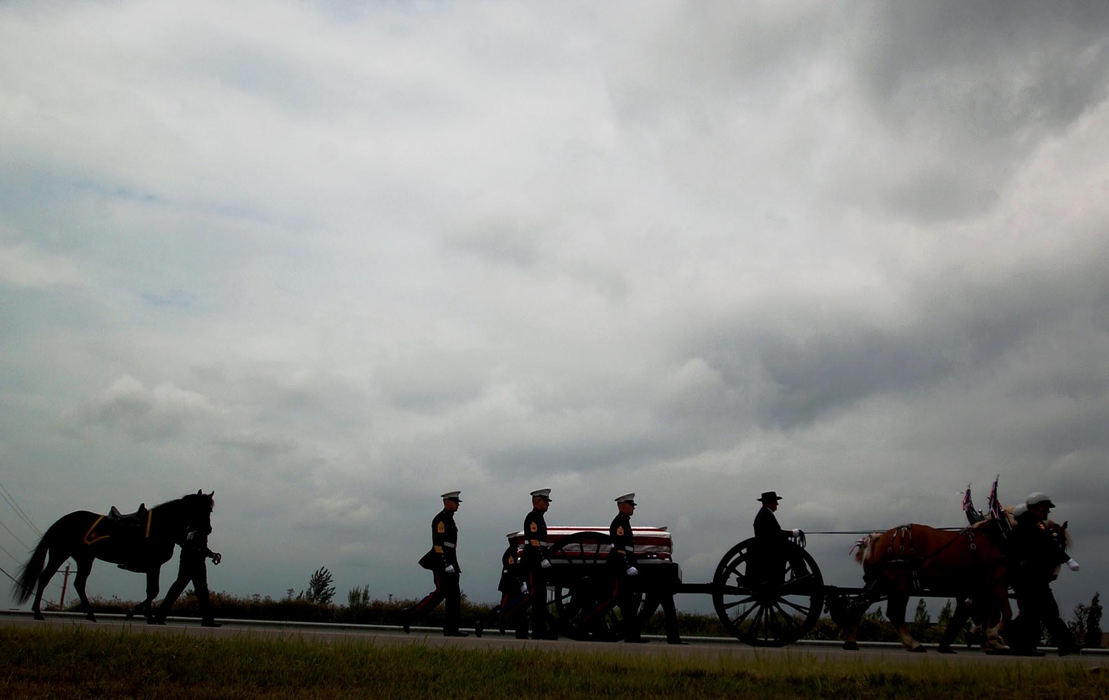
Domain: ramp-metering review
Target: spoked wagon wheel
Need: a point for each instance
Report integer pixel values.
(583, 587)
(768, 600)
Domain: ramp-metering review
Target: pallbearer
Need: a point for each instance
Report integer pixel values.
(623, 562)
(535, 563)
(442, 560)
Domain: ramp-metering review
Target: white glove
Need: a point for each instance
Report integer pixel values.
(796, 532)
(450, 568)
(546, 564)
(1072, 565)
(523, 587)
(632, 571)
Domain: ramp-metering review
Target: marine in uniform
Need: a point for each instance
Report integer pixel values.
(623, 564)
(513, 588)
(442, 560)
(535, 564)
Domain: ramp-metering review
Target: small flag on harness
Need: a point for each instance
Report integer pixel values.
(993, 506)
(973, 514)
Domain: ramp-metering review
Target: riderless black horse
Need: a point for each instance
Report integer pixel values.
(141, 542)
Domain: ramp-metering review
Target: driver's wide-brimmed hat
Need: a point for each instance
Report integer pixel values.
(769, 496)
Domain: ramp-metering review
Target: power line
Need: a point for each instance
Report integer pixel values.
(25, 545)
(18, 511)
(9, 575)
(5, 550)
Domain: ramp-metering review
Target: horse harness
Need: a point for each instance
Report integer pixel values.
(902, 542)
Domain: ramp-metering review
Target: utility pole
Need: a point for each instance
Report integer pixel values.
(65, 580)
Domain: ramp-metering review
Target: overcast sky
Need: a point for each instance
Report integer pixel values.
(332, 259)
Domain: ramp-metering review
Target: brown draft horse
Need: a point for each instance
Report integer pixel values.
(921, 560)
(966, 608)
(142, 543)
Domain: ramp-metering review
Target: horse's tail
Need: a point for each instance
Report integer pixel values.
(24, 587)
(862, 546)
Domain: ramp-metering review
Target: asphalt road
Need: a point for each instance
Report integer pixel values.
(387, 635)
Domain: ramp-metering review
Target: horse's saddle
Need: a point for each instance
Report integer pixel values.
(139, 516)
(118, 524)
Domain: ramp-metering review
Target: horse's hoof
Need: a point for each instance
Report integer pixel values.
(39, 616)
(945, 649)
(917, 649)
(90, 617)
(850, 646)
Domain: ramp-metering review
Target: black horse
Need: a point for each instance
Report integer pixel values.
(140, 542)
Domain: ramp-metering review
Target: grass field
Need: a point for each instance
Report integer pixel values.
(78, 662)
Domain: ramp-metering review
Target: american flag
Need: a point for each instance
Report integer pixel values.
(972, 513)
(992, 505)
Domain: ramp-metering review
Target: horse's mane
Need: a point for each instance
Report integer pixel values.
(183, 499)
(862, 546)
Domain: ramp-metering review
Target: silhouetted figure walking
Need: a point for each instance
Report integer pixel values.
(192, 569)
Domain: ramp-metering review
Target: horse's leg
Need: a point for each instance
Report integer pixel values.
(151, 594)
(1006, 618)
(954, 624)
(895, 611)
(144, 607)
(84, 566)
(53, 563)
(848, 613)
(850, 635)
(992, 619)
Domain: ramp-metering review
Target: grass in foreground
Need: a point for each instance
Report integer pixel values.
(77, 662)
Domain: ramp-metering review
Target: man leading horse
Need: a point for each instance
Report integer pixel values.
(86, 536)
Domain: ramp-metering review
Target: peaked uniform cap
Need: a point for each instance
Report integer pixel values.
(627, 498)
(452, 495)
(1037, 499)
(541, 493)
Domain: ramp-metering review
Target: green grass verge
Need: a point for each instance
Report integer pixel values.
(78, 662)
